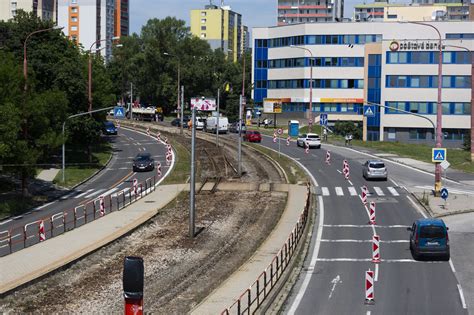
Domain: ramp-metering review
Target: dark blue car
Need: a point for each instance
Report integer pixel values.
(429, 237)
(109, 128)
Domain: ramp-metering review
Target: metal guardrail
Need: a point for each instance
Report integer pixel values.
(252, 298)
(31, 233)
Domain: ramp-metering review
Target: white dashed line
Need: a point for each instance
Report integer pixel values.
(325, 191)
(95, 193)
(352, 191)
(379, 191)
(461, 295)
(393, 191)
(84, 193)
(339, 191)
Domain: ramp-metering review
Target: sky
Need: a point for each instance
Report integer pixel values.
(255, 13)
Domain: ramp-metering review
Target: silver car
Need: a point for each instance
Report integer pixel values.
(374, 169)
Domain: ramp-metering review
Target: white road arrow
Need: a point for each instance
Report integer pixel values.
(334, 282)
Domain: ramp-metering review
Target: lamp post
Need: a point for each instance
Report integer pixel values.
(179, 104)
(25, 60)
(310, 114)
(472, 95)
(439, 107)
(90, 68)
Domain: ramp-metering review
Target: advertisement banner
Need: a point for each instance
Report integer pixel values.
(206, 104)
(272, 105)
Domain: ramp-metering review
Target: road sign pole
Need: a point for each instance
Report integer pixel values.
(182, 108)
(240, 138)
(279, 145)
(192, 181)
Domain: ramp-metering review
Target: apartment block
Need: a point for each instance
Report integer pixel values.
(45, 9)
(89, 23)
(220, 27)
(122, 18)
(309, 11)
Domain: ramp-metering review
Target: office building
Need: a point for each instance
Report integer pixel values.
(245, 40)
(89, 21)
(45, 9)
(391, 64)
(121, 18)
(418, 10)
(220, 27)
(309, 11)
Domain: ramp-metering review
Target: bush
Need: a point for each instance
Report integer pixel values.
(346, 127)
(467, 141)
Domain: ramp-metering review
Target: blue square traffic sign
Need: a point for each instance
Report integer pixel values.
(119, 112)
(438, 154)
(369, 110)
(323, 119)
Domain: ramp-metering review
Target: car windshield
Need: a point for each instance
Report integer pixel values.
(142, 157)
(377, 165)
(432, 232)
(313, 137)
(109, 124)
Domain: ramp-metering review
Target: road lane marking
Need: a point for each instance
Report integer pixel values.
(382, 260)
(68, 195)
(334, 282)
(108, 192)
(84, 193)
(6, 221)
(417, 207)
(339, 171)
(452, 266)
(461, 295)
(325, 191)
(339, 191)
(352, 191)
(379, 191)
(365, 226)
(394, 182)
(95, 193)
(393, 191)
(362, 241)
(349, 181)
(144, 149)
(376, 278)
(44, 206)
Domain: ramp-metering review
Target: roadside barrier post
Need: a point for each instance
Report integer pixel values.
(375, 249)
(369, 287)
(306, 150)
(133, 278)
(372, 213)
(288, 140)
(42, 235)
(102, 206)
(364, 195)
(328, 157)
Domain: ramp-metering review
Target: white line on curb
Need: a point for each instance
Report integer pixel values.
(461, 295)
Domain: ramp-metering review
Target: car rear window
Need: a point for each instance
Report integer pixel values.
(256, 132)
(377, 165)
(432, 232)
(313, 137)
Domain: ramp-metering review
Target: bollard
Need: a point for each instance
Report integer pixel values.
(133, 278)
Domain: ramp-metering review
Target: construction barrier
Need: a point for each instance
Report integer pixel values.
(372, 213)
(375, 249)
(328, 157)
(45, 228)
(306, 147)
(364, 194)
(288, 140)
(369, 287)
(252, 298)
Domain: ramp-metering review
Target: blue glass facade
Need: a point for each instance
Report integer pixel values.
(260, 70)
(373, 94)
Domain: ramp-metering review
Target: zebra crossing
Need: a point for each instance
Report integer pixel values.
(356, 191)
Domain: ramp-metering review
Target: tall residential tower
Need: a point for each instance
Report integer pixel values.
(44, 9)
(309, 11)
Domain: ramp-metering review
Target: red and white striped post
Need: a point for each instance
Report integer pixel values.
(288, 141)
(328, 157)
(369, 287)
(364, 195)
(148, 130)
(42, 235)
(274, 137)
(158, 169)
(306, 147)
(168, 158)
(135, 187)
(372, 213)
(375, 249)
(346, 172)
(158, 136)
(102, 206)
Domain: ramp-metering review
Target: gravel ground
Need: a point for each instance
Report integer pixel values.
(179, 271)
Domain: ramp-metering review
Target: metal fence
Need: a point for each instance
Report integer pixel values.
(252, 298)
(45, 228)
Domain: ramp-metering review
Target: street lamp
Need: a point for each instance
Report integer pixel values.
(310, 114)
(472, 95)
(25, 61)
(90, 68)
(439, 107)
(179, 82)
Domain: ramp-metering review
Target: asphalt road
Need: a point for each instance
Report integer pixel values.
(333, 277)
(116, 177)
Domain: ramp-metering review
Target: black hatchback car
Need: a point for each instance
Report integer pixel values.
(177, 121)
(143, 162)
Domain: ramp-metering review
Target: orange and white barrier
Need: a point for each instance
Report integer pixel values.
(372, 213)
(375, 249)
(369, 287)
(102, 206)
(42, 235)
(274, 137)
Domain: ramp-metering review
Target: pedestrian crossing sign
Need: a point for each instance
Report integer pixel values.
(369, 111)
(119, 112)
(438, 155)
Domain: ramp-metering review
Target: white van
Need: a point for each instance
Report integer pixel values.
(200, 122)
(211, 124)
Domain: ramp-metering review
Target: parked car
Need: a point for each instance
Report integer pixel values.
(312, 139)
(143, 162)
(252, 136)
(177, 121)
(211, 124)
(108, 128)
(374, 169)
(200, 123)
(429, 237)
(234, 127)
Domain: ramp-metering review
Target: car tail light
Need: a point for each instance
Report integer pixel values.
(447, 238)
(416, 238)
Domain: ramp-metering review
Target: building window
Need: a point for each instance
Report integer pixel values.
(74, 28)
(203, 28)
(391, 16)
(203, 35)
(203, 13)
(74, 19)
(203, 20)
(74, 9)
(74, 1)
(392, 135)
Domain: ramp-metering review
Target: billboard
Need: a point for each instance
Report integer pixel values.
(272, 105)
(206, 104)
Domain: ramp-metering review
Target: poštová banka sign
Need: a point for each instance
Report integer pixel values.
(413, 45)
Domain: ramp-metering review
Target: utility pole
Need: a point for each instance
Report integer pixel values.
(192, 181)
(218, 114)
(182, 109)
(240, 138)
(131, 101)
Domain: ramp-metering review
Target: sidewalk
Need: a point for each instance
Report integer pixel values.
(241, 279)
(40, 259)
(437, 207)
